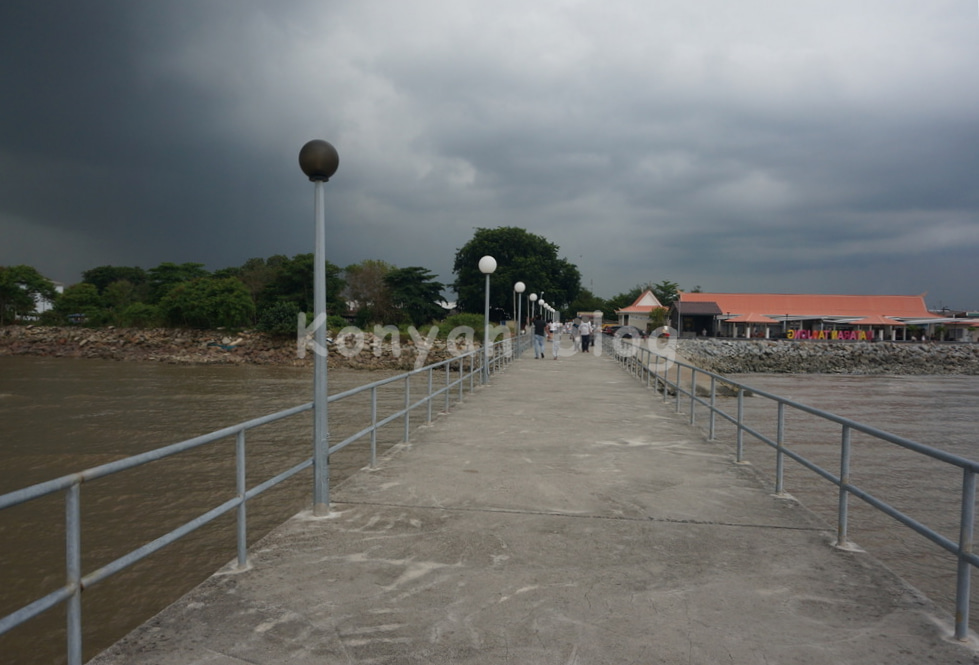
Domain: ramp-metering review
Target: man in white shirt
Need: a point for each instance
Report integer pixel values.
(555, 330)
(585, 331)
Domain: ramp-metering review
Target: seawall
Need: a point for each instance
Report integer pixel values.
(729, 356)
(196, 347)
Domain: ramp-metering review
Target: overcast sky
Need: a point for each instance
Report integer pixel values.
(803, 146)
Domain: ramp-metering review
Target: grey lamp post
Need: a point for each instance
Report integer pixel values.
(519, 287)
(319, 161)
(533, 304)
(487, 265)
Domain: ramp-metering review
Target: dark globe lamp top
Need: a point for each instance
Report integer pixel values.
(319, 160)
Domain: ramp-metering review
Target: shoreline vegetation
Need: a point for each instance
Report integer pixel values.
(724, 356)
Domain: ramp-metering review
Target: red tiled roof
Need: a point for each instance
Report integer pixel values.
(801, 305)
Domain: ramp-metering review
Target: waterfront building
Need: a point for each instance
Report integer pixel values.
(814, 316)
(639, 312)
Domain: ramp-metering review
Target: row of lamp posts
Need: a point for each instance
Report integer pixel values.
(487, 265)
(319, 161)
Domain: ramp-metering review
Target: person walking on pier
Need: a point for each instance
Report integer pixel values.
(585, 331)
(555, 329)
(539, 331)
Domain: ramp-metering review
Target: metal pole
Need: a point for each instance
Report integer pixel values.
(519, 324)
(73, 570)
(407, 408)
(843, 510)
(713, 407)
(739, 455)
(486, 334)
(319, 161)
(374, 427)
(963, 581)
(321, 433)
(242, 487)
(780, 454)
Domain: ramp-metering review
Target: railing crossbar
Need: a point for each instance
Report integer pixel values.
(962, 550)
(71, 483)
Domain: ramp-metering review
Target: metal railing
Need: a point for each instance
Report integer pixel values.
(656, 370)
(458, 371)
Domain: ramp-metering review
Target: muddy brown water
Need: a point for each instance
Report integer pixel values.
(59, 416)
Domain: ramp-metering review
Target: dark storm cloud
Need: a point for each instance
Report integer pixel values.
(806, 146)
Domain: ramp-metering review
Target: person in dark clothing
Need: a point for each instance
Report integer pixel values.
(539, 332)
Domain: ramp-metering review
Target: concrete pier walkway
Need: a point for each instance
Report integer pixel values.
(561, 516)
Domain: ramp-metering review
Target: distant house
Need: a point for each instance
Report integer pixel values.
(638, 313)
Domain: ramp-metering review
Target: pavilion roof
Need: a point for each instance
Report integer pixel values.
(782, 305)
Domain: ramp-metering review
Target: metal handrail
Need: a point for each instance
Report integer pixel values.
(654, 370)
(464, 367)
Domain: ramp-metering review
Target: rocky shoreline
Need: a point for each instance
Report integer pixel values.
(728, 356)
(724, 356)
(198, 347)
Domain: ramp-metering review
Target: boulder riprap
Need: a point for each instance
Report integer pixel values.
(179, 346)
(730, 356)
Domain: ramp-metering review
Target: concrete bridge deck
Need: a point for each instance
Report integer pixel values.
(558, 516)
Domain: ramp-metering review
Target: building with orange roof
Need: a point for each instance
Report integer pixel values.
(805, 316)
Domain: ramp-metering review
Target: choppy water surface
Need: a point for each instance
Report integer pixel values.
(940, 411)
(59, 416)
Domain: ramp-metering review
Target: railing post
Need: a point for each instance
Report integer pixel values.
(843, 511)
(374, 427)
(779, 454)
(739, 454)
(242, 506)
(693, 395)
(472, 369)
(656, 373)
(407, 404)
(964, 574)
(713, 408)
(429, 399)
(448, 382)
(73, 571)
(676, 407)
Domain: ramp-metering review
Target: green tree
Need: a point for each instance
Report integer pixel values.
(520, 257)
(166, 276)
(257, 273)
(119, 295)
(585, 302)
(81, 299)
(292, 281)
(102, 276)
(621, 301)
(666, 292)
(279, 318)
(20, 287)
(139, 315)
(208, 303)
(415, 292)
(369, 293)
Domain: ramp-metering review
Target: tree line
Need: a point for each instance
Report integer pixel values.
(269, 293)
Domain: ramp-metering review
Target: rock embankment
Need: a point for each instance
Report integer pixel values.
(727, 356)
(210, 347)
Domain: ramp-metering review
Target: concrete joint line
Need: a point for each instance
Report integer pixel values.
(621, 518)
